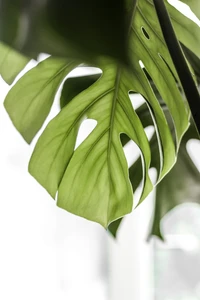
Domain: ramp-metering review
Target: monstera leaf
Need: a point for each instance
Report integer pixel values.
(11, 63)
(75, 85)
(30, 100)
(194, 5)
(194, 62)
(60, 28)
(93, 181)
(179, 186)
(77, 29)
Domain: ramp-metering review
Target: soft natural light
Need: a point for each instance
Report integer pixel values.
(87, 126)
(185, 10)
(47, 253)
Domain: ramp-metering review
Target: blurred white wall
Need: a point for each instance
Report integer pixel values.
(45, 252)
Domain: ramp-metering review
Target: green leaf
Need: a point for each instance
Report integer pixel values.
(194, 5)
(187, 31)
(179, 186)
(96, 160)
(72, 87)
(28, 103)
(23, 26)
(179, 61)
(77, 29)
(92, 181)
(81, 24)
(114, 226)
(11, 63)
(135, 170)
(194, 61)
(9, 20)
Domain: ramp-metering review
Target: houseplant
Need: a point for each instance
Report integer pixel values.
(127, 44)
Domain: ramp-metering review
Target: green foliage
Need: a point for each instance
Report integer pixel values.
(93, 181)
(179, 186)
(77, 29)
(11, 63)
(30, 100)
(194, 6)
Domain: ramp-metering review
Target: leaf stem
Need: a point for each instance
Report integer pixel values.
(179, 61)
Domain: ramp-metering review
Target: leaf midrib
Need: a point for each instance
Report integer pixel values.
(69, 130)
(114, 102)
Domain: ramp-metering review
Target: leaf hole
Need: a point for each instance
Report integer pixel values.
(136, 99)
(149, 131)
(134, 160)
(150, 198)
(162, 105)
(82, 71)
(86, 128)
(146, 118)
(185, 10)
(193, 149)
(145, 33)
(131, 149)
(76, 82)
(141, 64)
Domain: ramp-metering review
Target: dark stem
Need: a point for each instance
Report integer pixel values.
(179, 61)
